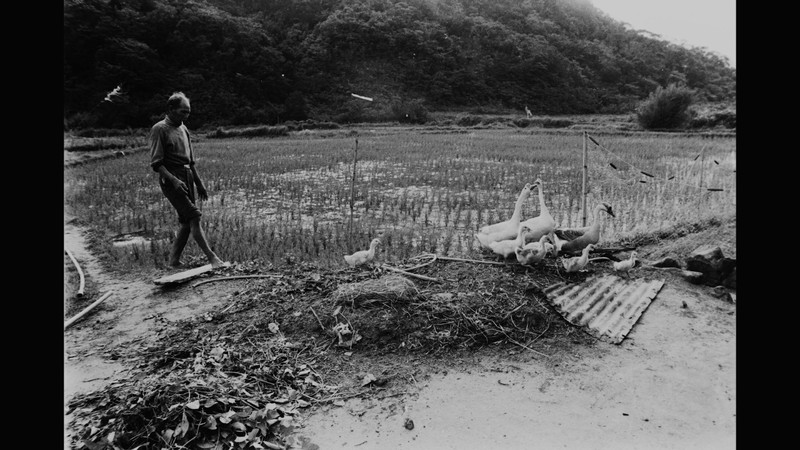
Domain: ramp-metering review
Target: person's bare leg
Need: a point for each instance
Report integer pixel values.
(179, 244)
(200, 238)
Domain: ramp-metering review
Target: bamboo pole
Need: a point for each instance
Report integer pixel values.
(352, 198)
(585, 173)
(702, 171)
(702, 164)
(88, 308)
(80, 272)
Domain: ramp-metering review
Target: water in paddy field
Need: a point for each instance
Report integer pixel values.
(437, 198)
(425, 209)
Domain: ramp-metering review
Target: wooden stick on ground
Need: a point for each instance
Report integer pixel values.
(527, 348)
(233, 278)
(315, 315)
(85, 311)
(80, 272)
(447, 258)
(433, 260)
(422, 277)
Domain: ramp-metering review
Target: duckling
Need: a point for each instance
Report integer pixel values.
(578, 263)
(363, 256)
(625, 265)
(507, 247)
(573, 240)
(544, 222)
(534, 252)
(508, 229)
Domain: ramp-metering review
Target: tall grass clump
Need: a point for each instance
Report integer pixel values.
(666, 108)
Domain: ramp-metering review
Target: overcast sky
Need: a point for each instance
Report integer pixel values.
(694, 23)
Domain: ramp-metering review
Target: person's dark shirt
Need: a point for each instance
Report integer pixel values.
(170, 145)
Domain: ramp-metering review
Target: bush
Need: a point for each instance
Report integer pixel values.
(468, 120)
(545, 122)
(310, 124)
(295, 107)
(264, 130)
(556, 123)
(666, 108)
(713, 116)
(80, 120)
(409, 112)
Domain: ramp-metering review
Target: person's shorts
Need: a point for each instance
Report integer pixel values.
(183, 203)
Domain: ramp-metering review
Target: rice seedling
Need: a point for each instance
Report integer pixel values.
(288, 198)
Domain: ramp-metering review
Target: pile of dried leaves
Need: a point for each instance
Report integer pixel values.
(239, 378)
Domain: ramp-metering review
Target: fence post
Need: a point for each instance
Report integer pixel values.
(702, 164)
(585, 170)
(352, 198)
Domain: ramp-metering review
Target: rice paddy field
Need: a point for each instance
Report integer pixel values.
(316, 195)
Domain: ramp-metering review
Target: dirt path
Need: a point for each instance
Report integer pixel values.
(132, 316)
(671, 384)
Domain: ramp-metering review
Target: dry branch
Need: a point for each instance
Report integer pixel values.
(85, 311)
(478, 261)
(315, 315)
(233, 278)
(421, 277)
(432, 256)
(80, 272)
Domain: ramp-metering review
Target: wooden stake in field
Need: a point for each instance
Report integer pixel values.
(352, 198)
(702, 164)
(585, 174)
(702, 170)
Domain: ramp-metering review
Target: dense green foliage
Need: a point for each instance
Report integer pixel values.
(665, 108)
(268, 61)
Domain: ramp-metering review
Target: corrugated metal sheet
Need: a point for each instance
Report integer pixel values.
(607, 306)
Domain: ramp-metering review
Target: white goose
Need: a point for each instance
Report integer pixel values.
(542, 224)
(363, 256)
(507, 229)
(573, 240)
(578, 263)
(507, 247)
(534, 252)
(625, 265)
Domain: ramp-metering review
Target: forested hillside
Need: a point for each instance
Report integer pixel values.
(267, 61)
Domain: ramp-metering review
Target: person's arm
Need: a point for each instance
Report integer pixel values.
(202, 193)
(176, 182)
(201, 189)
(157, 160)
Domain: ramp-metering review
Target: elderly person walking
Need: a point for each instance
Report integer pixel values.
(171, 155)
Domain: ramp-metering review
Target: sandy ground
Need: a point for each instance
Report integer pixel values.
(671, 384)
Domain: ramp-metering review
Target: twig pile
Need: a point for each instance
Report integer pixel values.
(239, 378)
(393, 289)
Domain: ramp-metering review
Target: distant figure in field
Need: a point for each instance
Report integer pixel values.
(528, 112)
(171, 155)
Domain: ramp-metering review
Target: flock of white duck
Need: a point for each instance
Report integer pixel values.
(531, 240)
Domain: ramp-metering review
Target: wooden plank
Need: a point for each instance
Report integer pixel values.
(184, 276)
